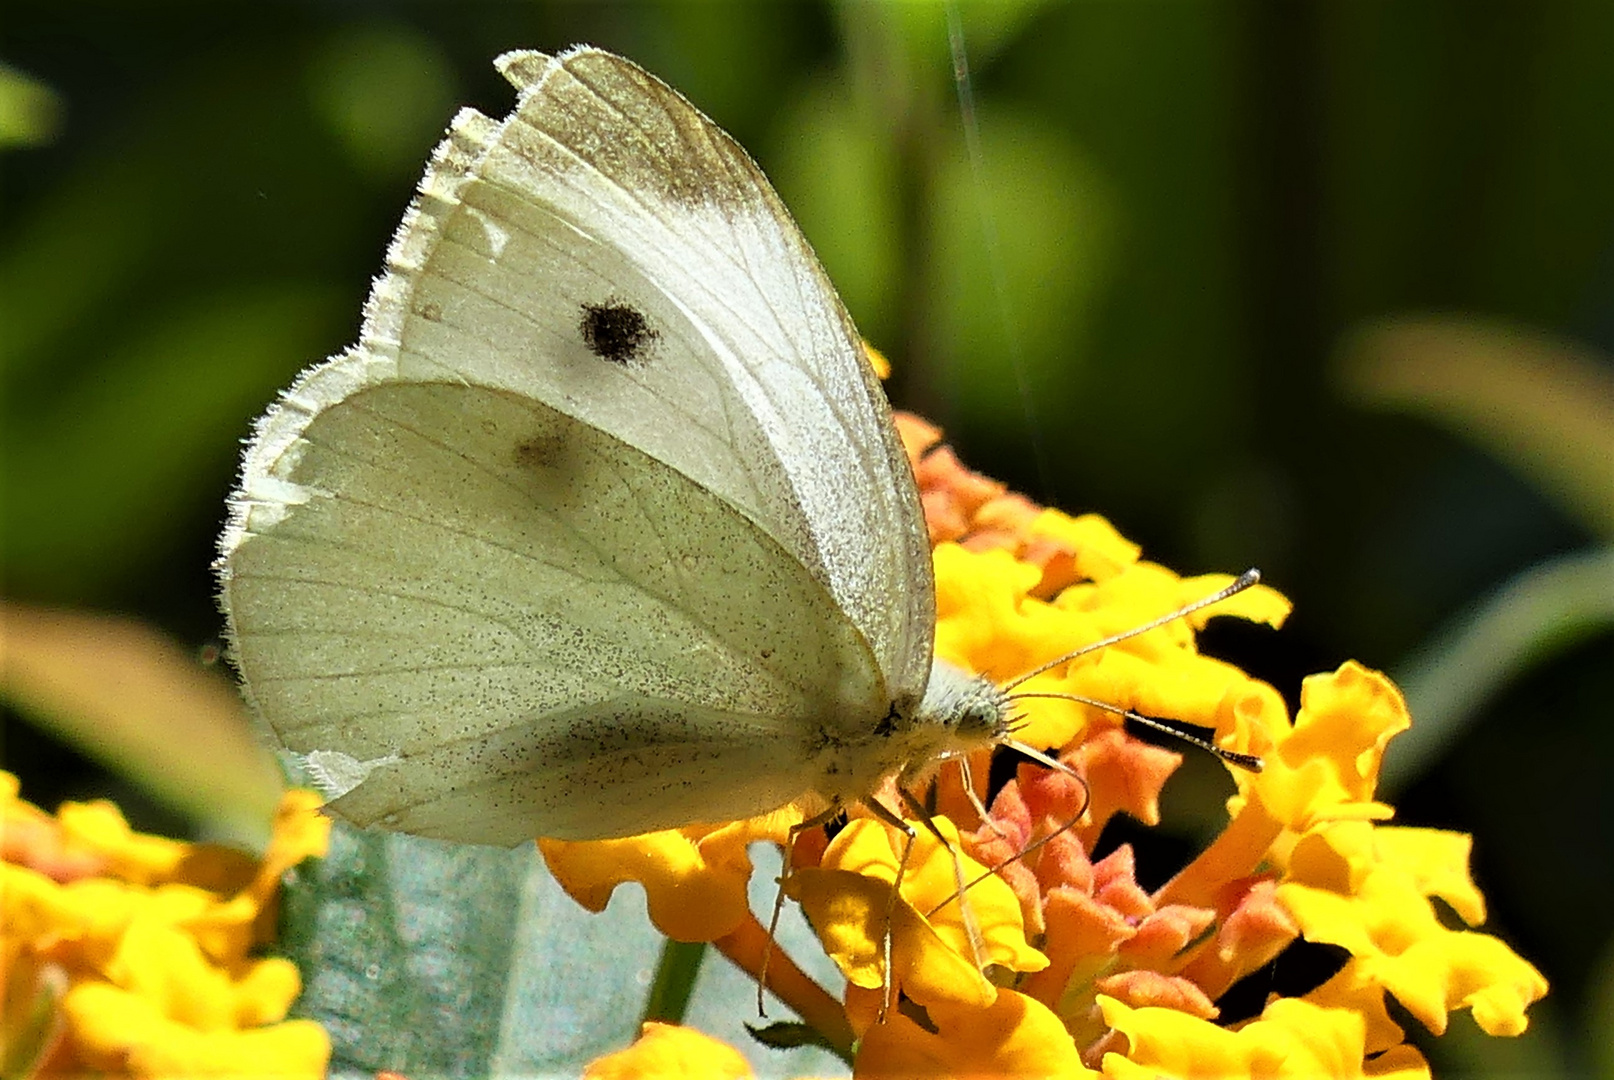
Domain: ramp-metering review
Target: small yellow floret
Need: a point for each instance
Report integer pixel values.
(668, 1052)
(153, 940)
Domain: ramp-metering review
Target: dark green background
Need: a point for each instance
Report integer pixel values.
(1191, 203)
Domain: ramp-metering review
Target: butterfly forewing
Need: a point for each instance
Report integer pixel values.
(797, 431)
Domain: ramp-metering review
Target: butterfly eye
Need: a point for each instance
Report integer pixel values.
(979, 718)
(616, 332)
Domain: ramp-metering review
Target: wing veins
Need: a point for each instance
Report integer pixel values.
(550, 515)
(650, 87)
(726, 437)
(368, 673)
(709, 249)
(694, 613)
(429, 601)
(706, 327)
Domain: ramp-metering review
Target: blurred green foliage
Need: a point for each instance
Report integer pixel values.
(29, 112)
(1129, 298)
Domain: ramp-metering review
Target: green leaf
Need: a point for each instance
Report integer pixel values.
(30, 111)
(1542, 611)
(1022, 244)
(1545, 1050)
(385, 91)
(87, 239)
(988, 26)
(1541, 405)
(837, 169)
(95, 476)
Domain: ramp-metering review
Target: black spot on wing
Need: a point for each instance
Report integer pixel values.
(617, 332)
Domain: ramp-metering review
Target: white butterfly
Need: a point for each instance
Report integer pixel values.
(603, 525)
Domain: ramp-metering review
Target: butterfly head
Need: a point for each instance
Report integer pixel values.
(963, 711)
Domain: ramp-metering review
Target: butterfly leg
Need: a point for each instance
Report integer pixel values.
(975, 800)
(822, 818)
(889, 817)
(972, 930)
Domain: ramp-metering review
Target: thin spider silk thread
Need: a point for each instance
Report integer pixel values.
(1012, 348)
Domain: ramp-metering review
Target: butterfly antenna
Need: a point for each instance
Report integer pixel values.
(1244, 581)
(1011, 347)
(1251, 762)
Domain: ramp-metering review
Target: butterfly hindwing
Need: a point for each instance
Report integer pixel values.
(522, 626)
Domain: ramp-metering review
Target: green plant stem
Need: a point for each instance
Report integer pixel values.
(676, 972)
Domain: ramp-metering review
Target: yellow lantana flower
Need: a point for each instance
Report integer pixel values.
(668, 1052)
(1072, 968)
(1291, 1039)
(933, 959)
(134, 952)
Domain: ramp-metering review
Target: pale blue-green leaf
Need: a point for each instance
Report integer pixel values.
(451, 960)
(725, 998)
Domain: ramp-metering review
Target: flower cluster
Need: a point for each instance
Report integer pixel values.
(1071, 968)
(130, 954)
